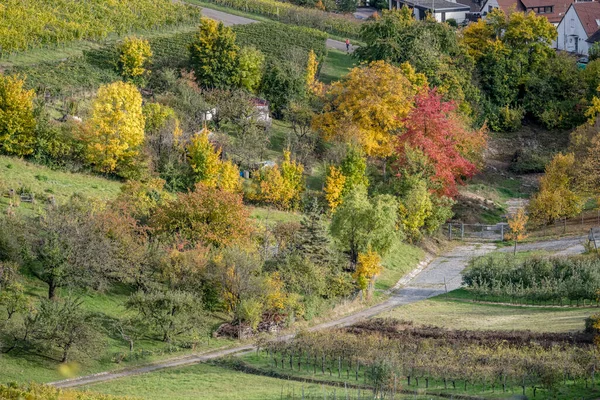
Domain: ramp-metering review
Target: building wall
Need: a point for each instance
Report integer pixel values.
(485, 8)
(571, 35)
(459, 16)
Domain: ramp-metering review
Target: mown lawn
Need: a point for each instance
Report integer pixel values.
(459, 314)
(336, 65)
(204, 381)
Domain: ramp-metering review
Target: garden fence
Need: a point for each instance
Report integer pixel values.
(594, 238)
(460, 231)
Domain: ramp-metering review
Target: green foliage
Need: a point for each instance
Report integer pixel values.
(594, 51)
(347, 6)
(31, 23)
(360, 223)
(168, 315)
(534, 278)
(250, 68)
(291, 14)
(283, 83)
(213, 55)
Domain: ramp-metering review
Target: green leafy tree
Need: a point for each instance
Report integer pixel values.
(313, 238)
(415, 208)
(168, 315)
(282, 84)
(360, 222)
(214, 55)
(17, 122)
(250, 68)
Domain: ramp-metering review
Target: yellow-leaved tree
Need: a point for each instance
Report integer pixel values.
(134, 56)
(368, 106)
(334, 187)
(557, 197)
(517, 223)
(116, 127)
(281, 186)
(208, 167)
(312, 67)
(17, 123)
(367, 268)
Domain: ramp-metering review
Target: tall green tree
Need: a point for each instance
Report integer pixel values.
(360, 223)
(213, 55)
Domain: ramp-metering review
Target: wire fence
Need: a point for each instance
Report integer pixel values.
(460, 231)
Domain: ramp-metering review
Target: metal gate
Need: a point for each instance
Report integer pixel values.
(460, 231)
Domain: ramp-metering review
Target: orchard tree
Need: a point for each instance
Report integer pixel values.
(450, 147)
(360, 223)
(280, 185)
(17, 122)
(334, 187)
(168, 315)
(134, 57)
(585, 144)
(206, 216)
(250, 68)
(116, 128)
(367, 108)
(557, 197)
(214, 55)
(351, 173)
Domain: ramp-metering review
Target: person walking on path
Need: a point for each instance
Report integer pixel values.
(348, 45)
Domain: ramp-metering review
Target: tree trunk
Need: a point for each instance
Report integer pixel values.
(51, 289)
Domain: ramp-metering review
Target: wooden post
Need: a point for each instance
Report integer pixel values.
(502, 232)
(462, 231)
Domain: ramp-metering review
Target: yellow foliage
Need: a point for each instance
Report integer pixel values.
(281, 186)
(594, 109)
(368, 107)
(276, 296)
(367, 268)
(518, 225)
(208, 167)
(312, 67)
(134, 55)
(557, 197)
(334, 187)
(17, 122)
(116, 128)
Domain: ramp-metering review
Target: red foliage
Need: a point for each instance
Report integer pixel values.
(434, 128)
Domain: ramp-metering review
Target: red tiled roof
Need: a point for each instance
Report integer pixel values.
(560, 7)
(588, 13)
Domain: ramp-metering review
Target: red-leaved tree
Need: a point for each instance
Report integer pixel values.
(452, 149)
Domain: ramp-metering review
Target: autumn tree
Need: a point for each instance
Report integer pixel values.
(283, 83)
(280, 185)
(207, 216)
(450, 147)
(585, 145)
(250, 68)
(414, 209)
(162, 130)
(116, 128)
(367, 108)
(517, 223)
(557, 197)
(367, 268)
(360, 223)
(351, 173)
(17, 122)
(213, 55)
(134, 57)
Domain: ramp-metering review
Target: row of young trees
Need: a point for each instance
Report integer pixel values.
(535, 279)
(387, 363)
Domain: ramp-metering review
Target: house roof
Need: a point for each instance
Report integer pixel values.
(437, 5)
(589, 16)
(472, 4)
(505, 5)
(560, 8)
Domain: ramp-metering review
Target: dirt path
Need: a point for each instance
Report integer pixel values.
(442, 273)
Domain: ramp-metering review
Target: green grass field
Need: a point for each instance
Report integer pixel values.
(458, 314)
(336, 65)
(401, 259)
(44, 182)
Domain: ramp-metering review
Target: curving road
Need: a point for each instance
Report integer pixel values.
(428, 280)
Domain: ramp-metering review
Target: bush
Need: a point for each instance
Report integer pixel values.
(535, 278)
(526, 161)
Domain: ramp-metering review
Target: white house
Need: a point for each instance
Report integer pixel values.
(553, 10)
(442, 10)
(577, 29)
